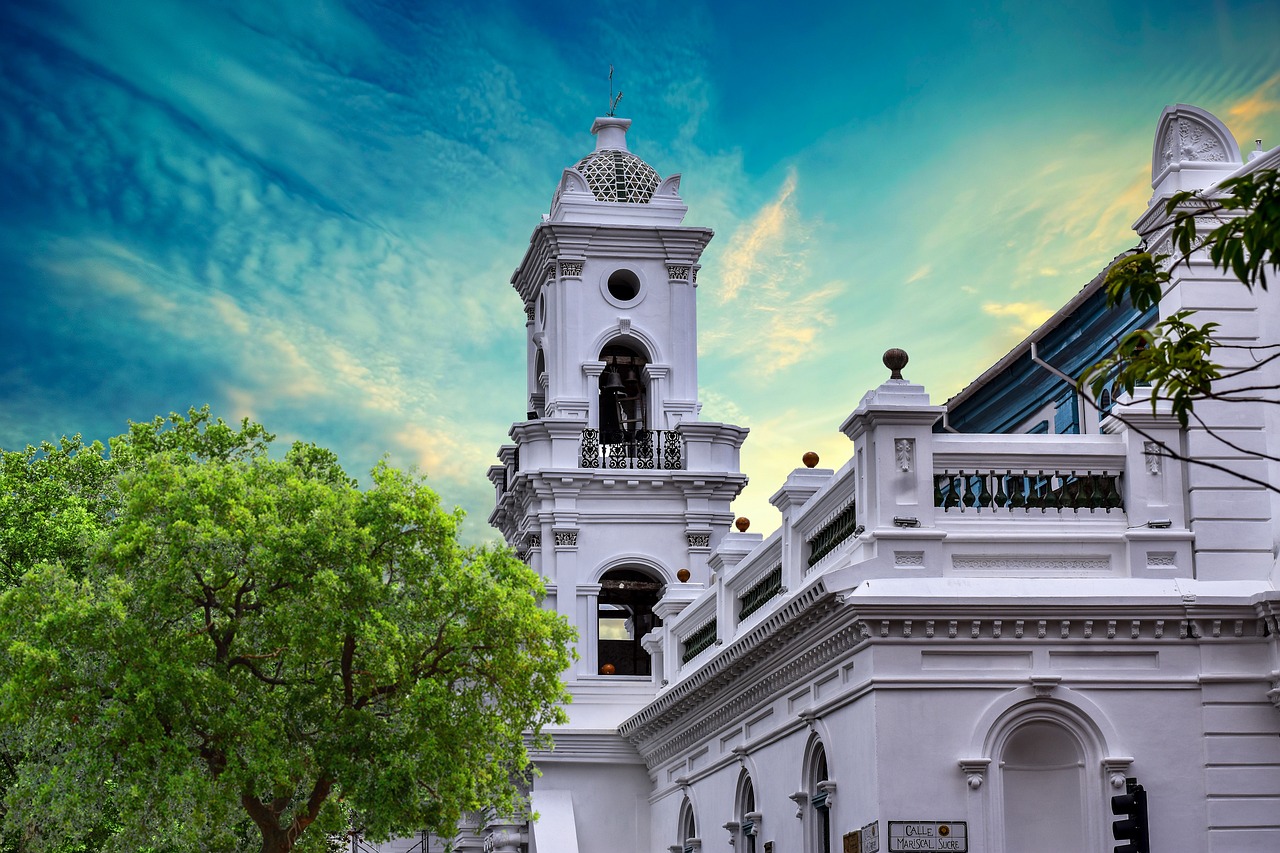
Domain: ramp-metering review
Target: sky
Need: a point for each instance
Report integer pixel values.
(308, 213)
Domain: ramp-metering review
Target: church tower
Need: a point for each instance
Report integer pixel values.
(613, 488)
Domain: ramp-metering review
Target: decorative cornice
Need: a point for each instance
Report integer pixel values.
(1008, 629)
(793, 617)
(716, 712)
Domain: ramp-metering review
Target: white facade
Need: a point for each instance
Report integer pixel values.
(984, 634)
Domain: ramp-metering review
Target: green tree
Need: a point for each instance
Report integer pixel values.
(258, 637)
(1237, 227)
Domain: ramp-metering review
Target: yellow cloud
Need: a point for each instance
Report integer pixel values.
(1261, 101)
(777, 313)
(754, 249)
(922, 272)
(1028, 315)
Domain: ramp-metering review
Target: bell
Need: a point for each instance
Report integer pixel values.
(633, 378)
(613, 384)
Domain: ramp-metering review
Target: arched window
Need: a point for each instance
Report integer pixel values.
(748, 817)
(624, 615)
(623, 395)
(818, 812)
(1043, 762)
(689, 840)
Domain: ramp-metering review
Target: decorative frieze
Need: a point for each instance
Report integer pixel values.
(987, 564)
(678, 272)
(571, 269)
(566, 539)
(1059, 629)
(699, 541)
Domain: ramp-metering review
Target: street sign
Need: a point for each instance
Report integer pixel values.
(871, 837)
(910, 835)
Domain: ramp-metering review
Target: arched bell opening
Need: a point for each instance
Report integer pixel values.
(624, 403)
(537, 394)
(625, 614)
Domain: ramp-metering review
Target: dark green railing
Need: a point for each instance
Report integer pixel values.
(760, 593)
(699, 641)
(832, 534)
(1028, 490)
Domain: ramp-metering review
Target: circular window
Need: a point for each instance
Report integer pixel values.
(624, 285)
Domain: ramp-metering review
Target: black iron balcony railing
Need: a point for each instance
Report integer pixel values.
(649, 449)
(1027, 490)
(699, 641)
(761, 593)
(832, 534)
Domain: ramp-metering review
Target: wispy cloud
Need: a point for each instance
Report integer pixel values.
(921, 272)
(1027, 316)
(1259, 103)
(778, 311)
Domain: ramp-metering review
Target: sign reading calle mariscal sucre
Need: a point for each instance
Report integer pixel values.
(910, 835)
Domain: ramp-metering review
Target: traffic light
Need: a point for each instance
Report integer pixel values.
(1132, 805)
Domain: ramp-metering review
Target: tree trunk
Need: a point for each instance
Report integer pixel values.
(266, 816)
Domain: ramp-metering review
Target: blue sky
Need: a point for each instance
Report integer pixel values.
(308, 213)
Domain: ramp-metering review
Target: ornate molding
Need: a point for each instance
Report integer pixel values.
(1049, 566)
(678, 272)
(566, 538)
(571, 269)
(707, 722)
(1116, 769)
(699, 541)
(904, 451)
(1151, 451)
(975, 771)
(1186, 139)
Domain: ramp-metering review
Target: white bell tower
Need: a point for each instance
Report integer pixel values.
(613, 487)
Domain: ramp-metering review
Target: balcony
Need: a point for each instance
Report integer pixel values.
(642, 449)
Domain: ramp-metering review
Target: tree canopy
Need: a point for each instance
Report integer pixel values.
(220, 634)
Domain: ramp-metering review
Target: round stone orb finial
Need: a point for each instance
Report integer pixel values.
(742, 524)
(810, 459)
(683, 575)
(608, 669)
(895, 359)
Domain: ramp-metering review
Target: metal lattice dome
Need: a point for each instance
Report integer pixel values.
(616, 175)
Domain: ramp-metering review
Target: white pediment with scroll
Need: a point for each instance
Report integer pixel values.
(1189, 138)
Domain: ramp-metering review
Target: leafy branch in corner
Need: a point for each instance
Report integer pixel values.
(1175, 356)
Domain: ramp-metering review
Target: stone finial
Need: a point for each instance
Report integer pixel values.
(742, 524)
(810, 459)
(683, 576)
(895, 359)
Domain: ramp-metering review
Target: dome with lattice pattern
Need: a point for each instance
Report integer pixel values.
(618, 175)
